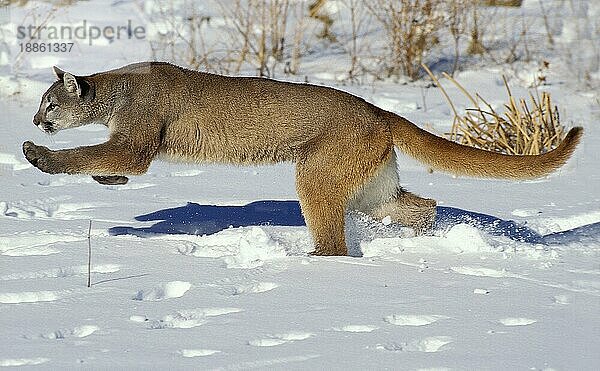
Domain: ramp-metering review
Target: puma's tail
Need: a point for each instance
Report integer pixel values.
(445, 155)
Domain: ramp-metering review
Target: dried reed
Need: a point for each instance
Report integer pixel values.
(520, 130)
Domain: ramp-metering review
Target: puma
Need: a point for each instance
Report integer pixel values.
(343, 146)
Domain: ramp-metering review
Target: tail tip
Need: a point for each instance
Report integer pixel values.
(574, 135)
(568, 145)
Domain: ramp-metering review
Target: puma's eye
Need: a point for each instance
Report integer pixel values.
(50, 107)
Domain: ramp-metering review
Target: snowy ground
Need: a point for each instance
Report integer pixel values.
(174, 286)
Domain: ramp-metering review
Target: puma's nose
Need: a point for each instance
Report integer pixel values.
(36, 119)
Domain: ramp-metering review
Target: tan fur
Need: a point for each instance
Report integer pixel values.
(342, 145)
(452, 157)
(408, 209)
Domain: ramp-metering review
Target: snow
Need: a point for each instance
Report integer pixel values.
(412, 319)
(174, 289)
(189, 353)
(28, 297)
(208, 266)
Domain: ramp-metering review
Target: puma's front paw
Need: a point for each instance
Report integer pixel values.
(40, 157)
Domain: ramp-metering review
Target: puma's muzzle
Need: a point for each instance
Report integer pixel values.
(45, 126)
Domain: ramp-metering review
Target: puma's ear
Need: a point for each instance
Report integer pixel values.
(71, 84)
(75, 85)
(58, 72)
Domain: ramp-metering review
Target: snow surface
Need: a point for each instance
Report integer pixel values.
(207, 267)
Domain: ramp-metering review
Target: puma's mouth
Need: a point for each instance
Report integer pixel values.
(47, 126)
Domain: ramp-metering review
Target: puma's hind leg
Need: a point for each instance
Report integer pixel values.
(409, 210)
(382, 196)
(324, 215)
(323, 197)
(327, 178)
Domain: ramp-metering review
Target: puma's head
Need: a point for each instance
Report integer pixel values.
(68, 103)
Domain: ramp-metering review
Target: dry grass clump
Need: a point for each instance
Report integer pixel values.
(265, 35)
(521, 129)
(314, 11)
(512, 3)
(412, 28)
(261, 28)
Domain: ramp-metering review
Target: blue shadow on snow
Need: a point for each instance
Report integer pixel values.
(198, 219)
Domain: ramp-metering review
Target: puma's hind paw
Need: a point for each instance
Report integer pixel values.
(40, 157)
(111, 180)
